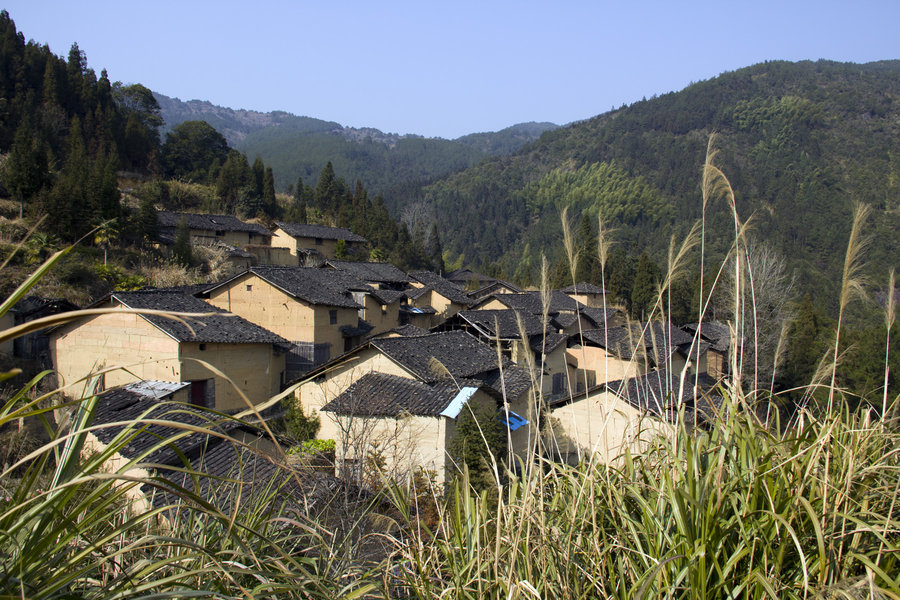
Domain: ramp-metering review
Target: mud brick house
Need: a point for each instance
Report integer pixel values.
(430, 290)
(212, 229)
(588, 294)
(305, 241)
(323, 312)
(422, 376)
(128, 346)
(627, 414)
(524, 340)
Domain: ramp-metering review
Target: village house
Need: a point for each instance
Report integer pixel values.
(587, 293)
(317, 310)
(597, 356)
(122, 346)
(523, 339)
(381, 275)
(314, 242)
(236, 238)
(209, 230)
(627, 414)
(35, 346)
(430, 290)
(443, 362)
(567, 315)
(718, 336)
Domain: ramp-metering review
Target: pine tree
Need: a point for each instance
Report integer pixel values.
(325, 194)
(643, 295)
(269, 201)
(181, 251)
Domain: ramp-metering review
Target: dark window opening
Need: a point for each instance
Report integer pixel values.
(332, 317)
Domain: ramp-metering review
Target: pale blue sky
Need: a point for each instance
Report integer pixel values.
(450, 68)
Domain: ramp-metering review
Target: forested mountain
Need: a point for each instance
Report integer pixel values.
(301, 146)
(800, 143)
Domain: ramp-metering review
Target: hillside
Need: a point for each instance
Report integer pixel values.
(301, 146)
(800, 142)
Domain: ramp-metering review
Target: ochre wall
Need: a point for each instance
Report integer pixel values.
(113, 340)
(292, 319)
(255, 369)
(602, 424)
(606, 367)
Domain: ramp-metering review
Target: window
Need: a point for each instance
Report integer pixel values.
(203, 393)
(318, 241)
(249, 287)
(332, 317)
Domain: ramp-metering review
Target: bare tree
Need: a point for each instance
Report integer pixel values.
(768, 291)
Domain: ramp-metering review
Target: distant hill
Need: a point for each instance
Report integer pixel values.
(300, 146)
(800, 142)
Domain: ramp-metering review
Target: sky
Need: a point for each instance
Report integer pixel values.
(446, 69)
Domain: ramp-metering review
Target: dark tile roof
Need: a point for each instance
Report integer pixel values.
(383, 395)
(134, 404)
(491, 288)
(620, 341)
(191, 290)
(531, 302)
(430, 357)
(371, 272)
(583, 288)
(515, 381)
(416, 292)
(504, 323)
(362, 328)
(313, 285)
(657, 393)
(459, 353)
(418, 310)
(564, 320)
(410, 331)
(388, 297)
(548, 343)
(223, 467)
(444, 287)
(465, 276)
(664, 339)
(718, 334)
(167, 218)
(599, 316)
(219, 327)
(320, 231)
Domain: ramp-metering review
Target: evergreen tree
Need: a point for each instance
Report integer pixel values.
(434, 251)
(325, 195)
(145, 223)
(181, 251)
(269, 201)
(259, 173)
(480, 439)
(646, 280)
(25, 170)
